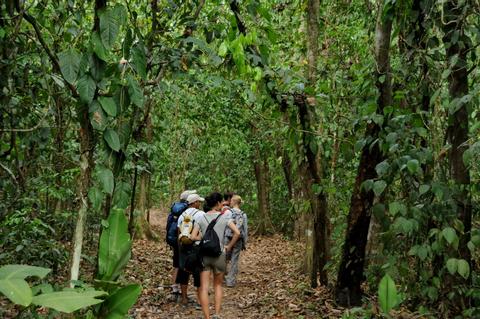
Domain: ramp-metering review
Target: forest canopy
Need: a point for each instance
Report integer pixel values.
(349, 126)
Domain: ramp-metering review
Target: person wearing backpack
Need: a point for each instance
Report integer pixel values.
(241, 221)
(210, 229)
(171, 237)
(187, 246)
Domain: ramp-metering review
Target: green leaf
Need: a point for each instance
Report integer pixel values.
(17, 290)
(98, 118)
(397, 207)
(109, 27)
(68, 301)
(98, 47)
(22, 272)
(106, 180)
(115, 244)
(463, 268)
(135, 92)
(139, 60)
(112, 139)
(86, 88)
(118, 304)
(449, 234)
(96, 197)
(452, 265)
(413, 166)
(379, 187)
(121, 197)
(423, 189)
(387, 294)
(69, 61)
(382, 168)
(223, 49)
(108, 105)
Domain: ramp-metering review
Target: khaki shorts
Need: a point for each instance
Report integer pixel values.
(215, 264)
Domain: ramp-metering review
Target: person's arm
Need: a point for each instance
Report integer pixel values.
(245, 228)
(236, 235)
(196, 233)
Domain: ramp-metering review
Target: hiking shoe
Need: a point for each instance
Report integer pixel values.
(198, 306)
(175, 297)
(215, 317)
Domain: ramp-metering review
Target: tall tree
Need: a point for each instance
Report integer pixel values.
(457, 46)
(351, 272)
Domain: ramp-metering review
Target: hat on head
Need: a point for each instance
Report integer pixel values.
(186, 193)
(194, 198)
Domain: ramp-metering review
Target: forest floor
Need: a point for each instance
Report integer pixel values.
(269, 284)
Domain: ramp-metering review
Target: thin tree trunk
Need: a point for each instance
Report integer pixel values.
(261, 174)
(457, 131)
(87, 165)
(306, 110)
(351, 271)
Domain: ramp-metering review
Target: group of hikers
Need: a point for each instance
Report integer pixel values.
(205, 242)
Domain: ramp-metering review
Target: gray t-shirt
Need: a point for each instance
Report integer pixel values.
(220, 227)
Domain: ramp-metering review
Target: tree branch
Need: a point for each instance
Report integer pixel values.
(49, 52)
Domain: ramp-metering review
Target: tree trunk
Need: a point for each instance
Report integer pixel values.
(87, 146)
(307, 115)
(350, 274)
(457, 130)
(261, 174)
(141, 226)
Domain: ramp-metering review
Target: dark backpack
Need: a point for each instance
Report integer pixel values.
(210, 244)
(175, 211)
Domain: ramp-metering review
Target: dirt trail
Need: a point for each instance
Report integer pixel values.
(269, 284)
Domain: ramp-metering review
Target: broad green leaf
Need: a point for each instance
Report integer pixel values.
(96, 197)
(449, 234)
(108, 105)
(463, 268)
(223, 49)
(382, 168)
(17, 290)
(139, 60)
(118, 304)
(98, 118)
(379, 187)
(413, 166)
(115, 244)
(86, 88)
(98, 47)
(68, 301)
(135, 92)
(22, 272)
(423, 189)
(397, 207)
(111, 137)
(69, 61)
(387, 294)
(109, 27)
(452, 264)
(106, 180)
(121, 197)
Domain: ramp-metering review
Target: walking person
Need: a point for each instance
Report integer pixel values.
(215, 265)
(233, 257)
(227, 197)
(176, 210)
(187, 246)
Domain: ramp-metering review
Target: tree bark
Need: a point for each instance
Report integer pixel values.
(457, 130)
(87, 146)
(307, 115)
(261, 168)
(351, 271)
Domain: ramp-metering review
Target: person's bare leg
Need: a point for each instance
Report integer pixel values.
(217, 285)
(203, 292)
(184, 289)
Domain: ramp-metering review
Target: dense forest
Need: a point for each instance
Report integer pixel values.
(351, 129)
